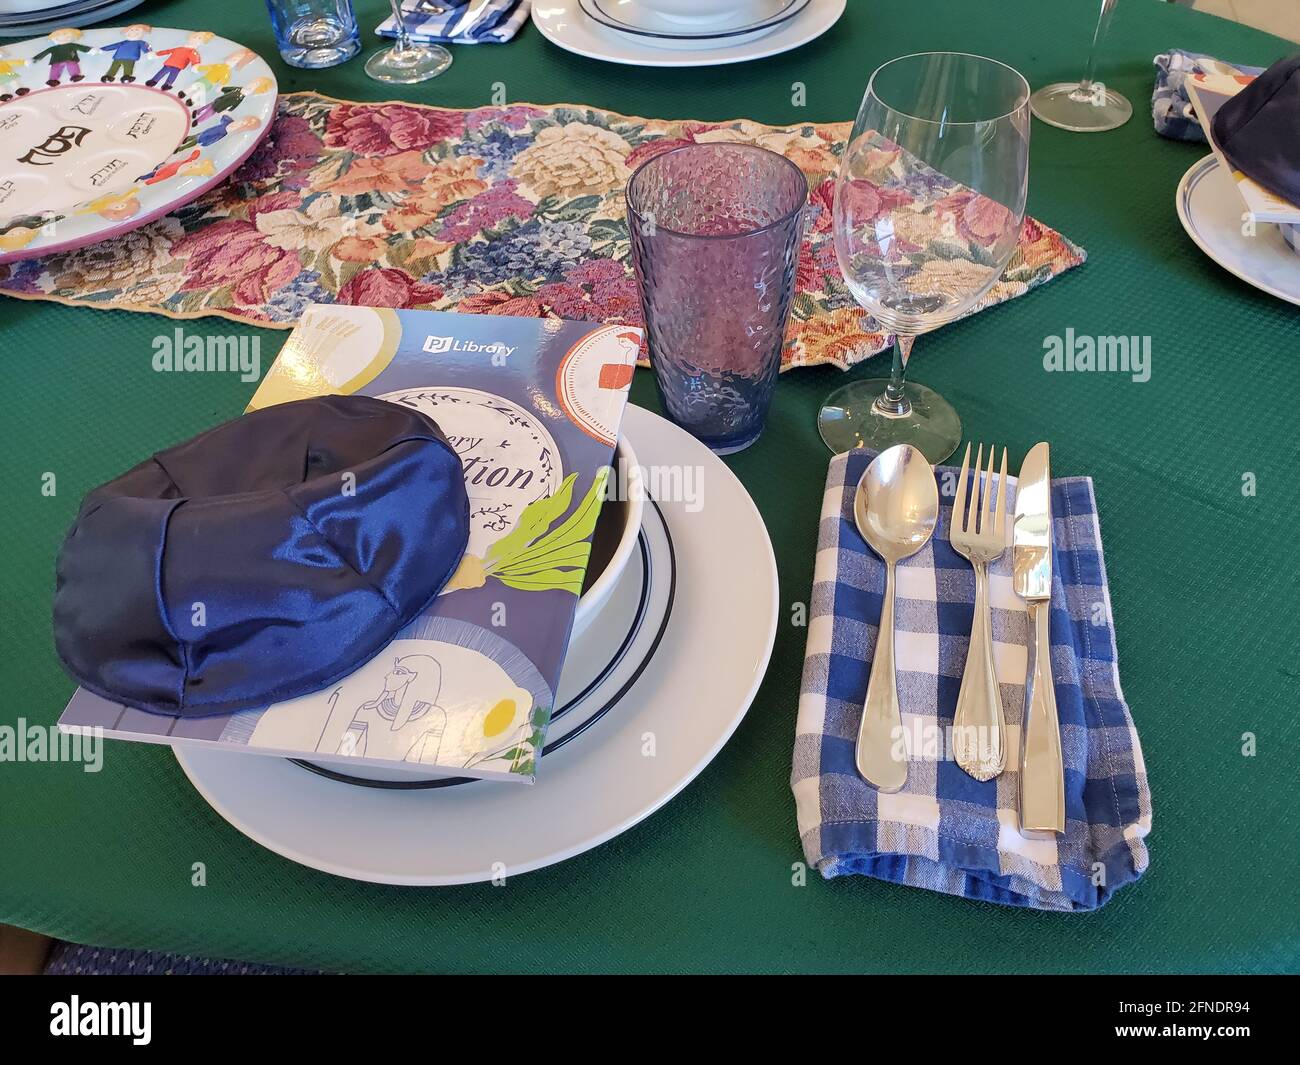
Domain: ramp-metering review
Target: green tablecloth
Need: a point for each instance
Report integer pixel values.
(1204, 600)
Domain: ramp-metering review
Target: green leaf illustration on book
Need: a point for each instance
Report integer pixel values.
(533, 556)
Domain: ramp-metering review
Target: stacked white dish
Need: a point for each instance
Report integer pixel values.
(30, 18)
(666, 657)
(677, 33)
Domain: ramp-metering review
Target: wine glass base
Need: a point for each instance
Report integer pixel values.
(1067, 105)
(406, 66)
(849, 418)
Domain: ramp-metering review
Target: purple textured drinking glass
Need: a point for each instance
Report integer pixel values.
(716, 230)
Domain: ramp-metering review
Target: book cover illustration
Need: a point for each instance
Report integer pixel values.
(532, 407)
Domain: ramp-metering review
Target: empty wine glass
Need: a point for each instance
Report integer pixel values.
(405, 61)
(929, 203)
(1085, 106)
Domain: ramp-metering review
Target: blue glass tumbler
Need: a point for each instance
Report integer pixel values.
(314, 33)
(716, 230)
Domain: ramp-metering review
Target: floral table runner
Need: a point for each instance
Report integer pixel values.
(498, 210)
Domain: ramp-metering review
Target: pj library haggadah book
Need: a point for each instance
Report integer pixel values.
(532, 406)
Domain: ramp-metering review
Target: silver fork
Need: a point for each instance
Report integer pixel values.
(979, 534)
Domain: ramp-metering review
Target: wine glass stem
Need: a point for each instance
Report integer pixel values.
(403, 38)
(893, 402)
(1103, 23)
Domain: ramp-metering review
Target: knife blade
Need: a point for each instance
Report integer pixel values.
(1042, 775)
(1031, 539)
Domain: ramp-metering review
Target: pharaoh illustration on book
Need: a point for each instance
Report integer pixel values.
(406, 717)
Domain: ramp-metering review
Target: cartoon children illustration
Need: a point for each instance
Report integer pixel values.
(230, 97)
(127, 52)
(169, 169)
(115, 206)
(198, 168)
(179, 58)
(9, 75)
(404, 720)
(215, 75)
(64, 56)
(225, 125)
(17, 237)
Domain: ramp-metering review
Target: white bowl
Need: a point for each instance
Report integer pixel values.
(694, 12)
(619, 524)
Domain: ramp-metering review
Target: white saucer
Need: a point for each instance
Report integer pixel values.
(1210, 209)
(564, 23)
(662, 732)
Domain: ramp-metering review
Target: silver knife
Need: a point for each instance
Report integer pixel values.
(1042, 775)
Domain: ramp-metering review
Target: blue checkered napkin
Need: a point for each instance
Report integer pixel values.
(946, 831)
(1171, 106)
(499, 22)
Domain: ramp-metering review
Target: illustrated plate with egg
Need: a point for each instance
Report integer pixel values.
(104, 130)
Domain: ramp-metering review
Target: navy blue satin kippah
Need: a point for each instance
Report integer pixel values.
(1259, 129)
(264, 559)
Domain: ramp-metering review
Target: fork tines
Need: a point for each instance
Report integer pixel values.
(978, 517)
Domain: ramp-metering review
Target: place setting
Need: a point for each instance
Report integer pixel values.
(461, 611)
(454, 469)
(440, 737)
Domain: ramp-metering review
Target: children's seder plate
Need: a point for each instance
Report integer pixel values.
(103, 130)
(671, 701)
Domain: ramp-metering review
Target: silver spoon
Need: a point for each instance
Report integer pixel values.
(896, 508)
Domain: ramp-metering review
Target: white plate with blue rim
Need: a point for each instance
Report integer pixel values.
(647, 26)
(1210, 209)
(705, 593)
(22, 19)
(564, 23)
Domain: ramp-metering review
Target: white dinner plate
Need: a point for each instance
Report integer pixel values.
(70, 15)
(662, 732)
(1211, 210)
(563, 22)
(646, 28)
(20, 11)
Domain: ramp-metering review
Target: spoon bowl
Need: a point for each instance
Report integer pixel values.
(896, 507)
